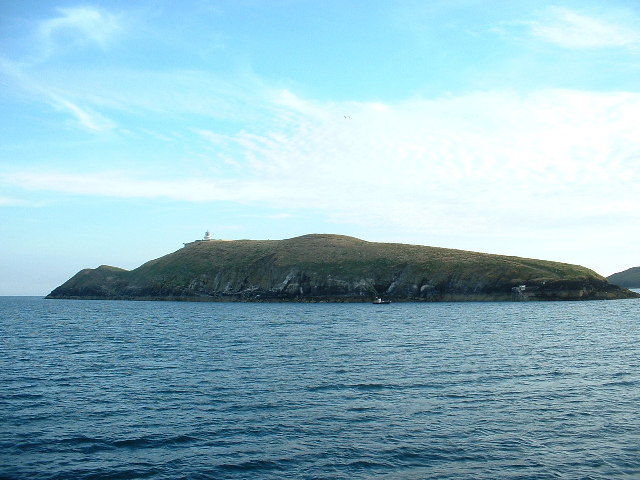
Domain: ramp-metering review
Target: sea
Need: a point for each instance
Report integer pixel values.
(177, 390)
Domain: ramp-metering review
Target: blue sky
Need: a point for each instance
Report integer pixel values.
(130, 127)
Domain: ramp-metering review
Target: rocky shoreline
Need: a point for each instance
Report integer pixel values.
(333, 268)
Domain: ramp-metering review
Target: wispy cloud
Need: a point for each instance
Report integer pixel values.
(467, 162)
(471, 163)
(571, 29)
(86, 118)
(79, 25)
(97, 97)
(128, 185)
(57, 98)
(74, 27)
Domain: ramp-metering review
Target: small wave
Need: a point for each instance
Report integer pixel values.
(351, 386)
(621, 383)
(25, 396)
(371, 386)
(361, 409)
(363, 464)
(80, 440)
(367, 465)
(150, 442)
(252, 465)
(123, 473)
(80, 444)
(322, 388)
(180, 439)
(141, 442)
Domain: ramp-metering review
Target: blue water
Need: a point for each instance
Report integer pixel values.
(164, 390)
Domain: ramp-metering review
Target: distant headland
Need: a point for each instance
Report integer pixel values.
(629, 278)
(336, 268)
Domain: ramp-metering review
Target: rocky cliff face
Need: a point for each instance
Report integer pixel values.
(337, 268)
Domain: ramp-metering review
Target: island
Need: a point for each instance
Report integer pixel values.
(337, 268)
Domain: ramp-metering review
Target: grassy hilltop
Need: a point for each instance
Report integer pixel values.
(337, 268)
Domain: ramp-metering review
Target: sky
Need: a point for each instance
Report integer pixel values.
(128, 128)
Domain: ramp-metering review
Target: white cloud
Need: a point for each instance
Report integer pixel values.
(112, 92)
(213, 137)
(86, 117)
(123, 185)
(83, 25)
(56, 97)
(490, 163)
(570, 29)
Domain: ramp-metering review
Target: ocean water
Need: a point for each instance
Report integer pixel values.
(169, 390)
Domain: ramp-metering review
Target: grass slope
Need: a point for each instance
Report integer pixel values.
(321, 266)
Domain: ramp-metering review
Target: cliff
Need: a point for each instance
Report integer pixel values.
(630, 278)
(337, 268)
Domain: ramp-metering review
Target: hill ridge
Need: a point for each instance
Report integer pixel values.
(330, 267)
(629, 278)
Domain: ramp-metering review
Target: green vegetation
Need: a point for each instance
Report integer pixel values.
(336, 268)
(630, 278)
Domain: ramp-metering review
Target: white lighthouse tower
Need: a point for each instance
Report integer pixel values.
(207, 238)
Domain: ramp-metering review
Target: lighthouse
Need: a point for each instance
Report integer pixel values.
(207, 238)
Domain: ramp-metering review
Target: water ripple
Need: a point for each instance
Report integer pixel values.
(95, 390)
